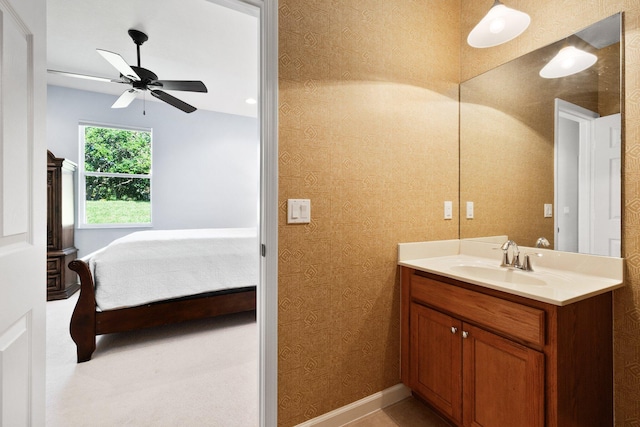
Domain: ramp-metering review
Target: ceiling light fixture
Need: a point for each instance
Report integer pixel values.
(251, 101)
(499, 25)
(570, 60)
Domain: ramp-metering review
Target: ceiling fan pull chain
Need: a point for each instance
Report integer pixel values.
(144, 103)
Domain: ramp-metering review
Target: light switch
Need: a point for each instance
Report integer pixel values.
(548, 210)
(469, 210)
(298, 211)
(448, 209)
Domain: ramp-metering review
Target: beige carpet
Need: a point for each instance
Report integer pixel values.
(200, 373)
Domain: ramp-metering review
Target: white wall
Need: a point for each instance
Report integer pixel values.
(205, 164)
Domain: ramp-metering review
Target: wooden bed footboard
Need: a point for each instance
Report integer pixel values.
(87, 321)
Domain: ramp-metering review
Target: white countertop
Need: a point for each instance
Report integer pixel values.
(559, 278)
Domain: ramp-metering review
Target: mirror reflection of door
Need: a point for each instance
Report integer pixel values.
(588, 181)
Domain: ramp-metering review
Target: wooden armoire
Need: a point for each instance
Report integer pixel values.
(61, 281)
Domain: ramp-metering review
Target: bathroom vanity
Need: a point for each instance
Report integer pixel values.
(493, 346)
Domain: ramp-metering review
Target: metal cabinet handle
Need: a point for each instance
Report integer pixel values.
(454, 329)
(465, 334)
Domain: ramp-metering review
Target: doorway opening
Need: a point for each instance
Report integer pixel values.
(587, 151)
(266, 13)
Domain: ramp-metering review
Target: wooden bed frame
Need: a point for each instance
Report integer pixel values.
(87, 321)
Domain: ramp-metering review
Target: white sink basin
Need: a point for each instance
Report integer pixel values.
(558, 278)
(505, 275)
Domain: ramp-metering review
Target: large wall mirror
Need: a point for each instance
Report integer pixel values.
(541, 157)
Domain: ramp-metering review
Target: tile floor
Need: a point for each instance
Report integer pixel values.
(409, 412)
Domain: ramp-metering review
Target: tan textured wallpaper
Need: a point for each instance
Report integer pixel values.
(369, 132)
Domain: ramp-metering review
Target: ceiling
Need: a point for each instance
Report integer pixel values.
(188, 40)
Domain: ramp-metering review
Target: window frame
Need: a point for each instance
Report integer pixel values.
(82, 174)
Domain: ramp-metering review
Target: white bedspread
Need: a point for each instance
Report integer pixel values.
(156, 265)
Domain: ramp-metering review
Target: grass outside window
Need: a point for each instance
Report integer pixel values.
(118, 212)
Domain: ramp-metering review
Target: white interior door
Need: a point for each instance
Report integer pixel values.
(607, 186)
(22, 212)
(573, 192)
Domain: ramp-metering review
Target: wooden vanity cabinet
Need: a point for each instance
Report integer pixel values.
(486, 358)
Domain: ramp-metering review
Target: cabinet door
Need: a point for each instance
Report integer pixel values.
(436, 358)
(503, 381)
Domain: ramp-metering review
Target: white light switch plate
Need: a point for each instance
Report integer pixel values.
(448, 210)
(298, 211)
(548, 210)
(469, 210)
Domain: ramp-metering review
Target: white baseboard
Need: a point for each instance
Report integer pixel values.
(360, 408)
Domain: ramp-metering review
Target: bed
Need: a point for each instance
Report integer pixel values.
(158, 277)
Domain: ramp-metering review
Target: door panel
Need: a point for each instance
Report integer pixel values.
(503, 381)
(22, 211)
(607, 186)
(14, 357)
(436, 352)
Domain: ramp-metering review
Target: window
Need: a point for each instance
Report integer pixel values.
(115, 177)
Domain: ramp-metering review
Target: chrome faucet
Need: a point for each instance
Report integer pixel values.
(514, 262)
(515, 259)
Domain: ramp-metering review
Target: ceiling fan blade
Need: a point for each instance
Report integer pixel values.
(172, 100)
(125, 99)
(119, 64)
(85, 76)
(184, 85)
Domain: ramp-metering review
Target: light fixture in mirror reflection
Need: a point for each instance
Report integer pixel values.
(568, 61)
(518, 132)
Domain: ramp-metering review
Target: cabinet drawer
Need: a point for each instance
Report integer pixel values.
(516, 320)
(53, 282)
(53, 265)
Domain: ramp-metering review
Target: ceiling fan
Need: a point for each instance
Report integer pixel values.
(142, 79)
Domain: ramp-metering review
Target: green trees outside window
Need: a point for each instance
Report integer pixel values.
(117, 176)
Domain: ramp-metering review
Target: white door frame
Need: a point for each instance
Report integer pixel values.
(267, 300)
(584, 118)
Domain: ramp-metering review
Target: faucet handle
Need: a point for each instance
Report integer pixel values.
(526, 264)
(505, 253)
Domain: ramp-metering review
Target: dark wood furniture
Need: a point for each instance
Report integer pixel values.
(61, 282)
(87, 321)
(484, 357)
